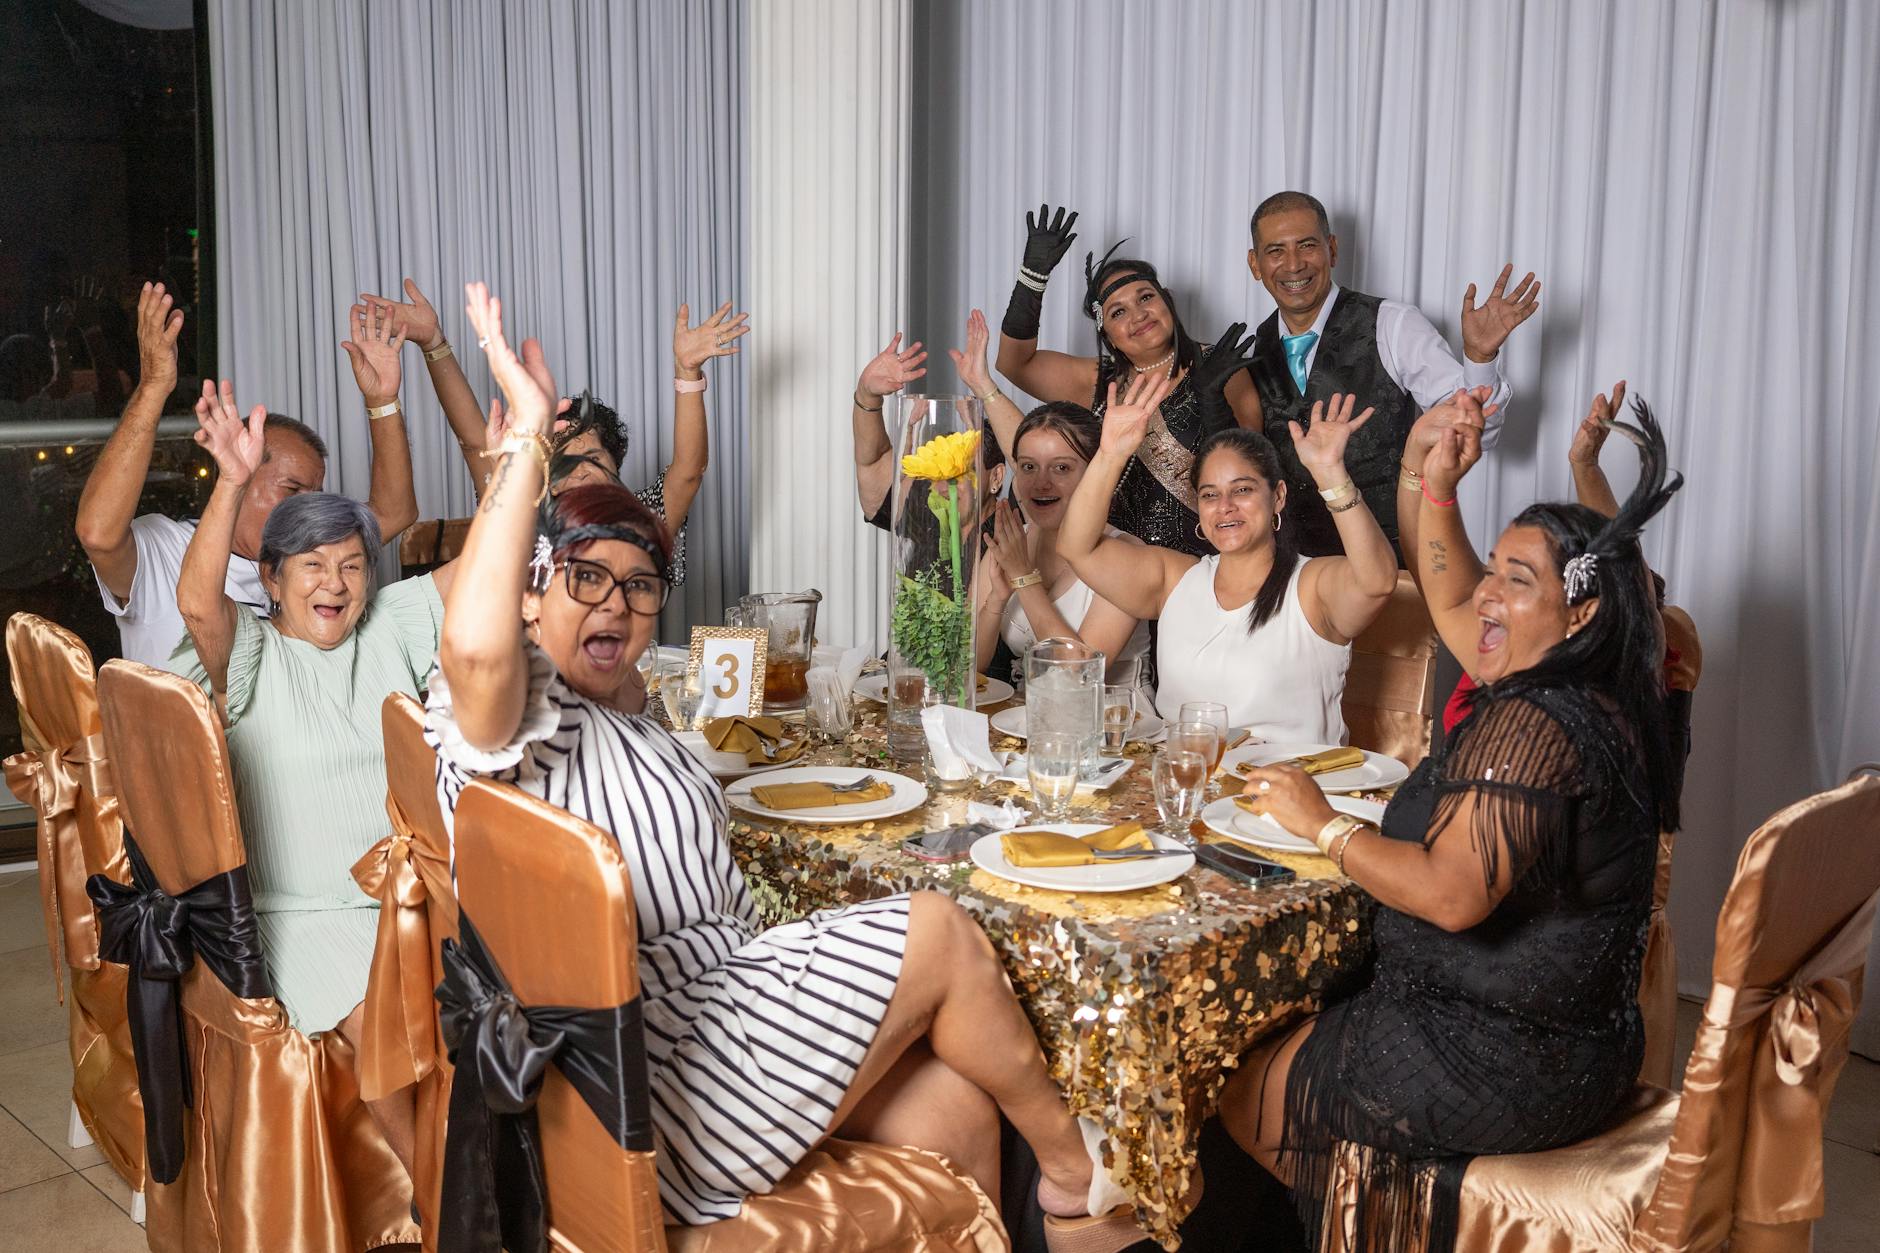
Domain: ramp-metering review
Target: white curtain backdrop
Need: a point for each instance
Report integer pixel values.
(585, 158)
(1695, 182)
(829, 267)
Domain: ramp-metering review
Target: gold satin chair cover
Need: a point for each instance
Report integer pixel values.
(540, 885)
(409, 872)
(1737, 1157)
(1658, 977)
(428, 544)
(64, 774)
(1390, 690)
(281, 1151)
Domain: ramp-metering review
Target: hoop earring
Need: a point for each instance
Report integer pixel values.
(1278, 514)
(1198, 533)
(274, 608)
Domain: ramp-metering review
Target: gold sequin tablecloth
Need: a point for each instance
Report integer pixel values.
(1141, 999)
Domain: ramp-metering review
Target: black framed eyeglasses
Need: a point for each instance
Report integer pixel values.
(590, 583)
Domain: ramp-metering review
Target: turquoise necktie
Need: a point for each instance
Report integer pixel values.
(1297, 346)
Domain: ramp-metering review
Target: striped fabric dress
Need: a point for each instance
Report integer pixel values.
(752, 1040)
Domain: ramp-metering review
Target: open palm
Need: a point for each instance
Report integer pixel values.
(1126, 414)
(373, 351)
(415, 317)
(237, 447)
(1321, 447)
(893, 369)
(527, 384)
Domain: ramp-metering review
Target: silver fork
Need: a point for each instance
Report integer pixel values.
(1126, 854)
(860, 785)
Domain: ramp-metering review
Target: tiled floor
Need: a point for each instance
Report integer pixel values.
(58, 1198)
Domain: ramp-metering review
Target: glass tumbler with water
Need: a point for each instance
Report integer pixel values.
(1178, 775)
(1064, 694)
(1053, 762)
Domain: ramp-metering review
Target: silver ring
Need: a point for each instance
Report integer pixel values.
(1266, 785)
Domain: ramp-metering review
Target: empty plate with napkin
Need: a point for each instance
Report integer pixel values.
(1083, 857)
(1334, 767)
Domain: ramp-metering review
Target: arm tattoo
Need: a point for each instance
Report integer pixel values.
(1439, 556)
(493, 489)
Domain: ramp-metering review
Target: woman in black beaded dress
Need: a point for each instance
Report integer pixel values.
(1138, 332)
(1513, 873)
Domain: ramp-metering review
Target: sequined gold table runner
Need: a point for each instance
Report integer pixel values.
(1141, 999)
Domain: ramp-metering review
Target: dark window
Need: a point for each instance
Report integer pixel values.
(108, 183)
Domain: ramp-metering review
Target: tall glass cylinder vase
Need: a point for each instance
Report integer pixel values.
(938, 504)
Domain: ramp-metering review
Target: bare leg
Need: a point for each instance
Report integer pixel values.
(397, 1114)
(1253, 1105)
(924, 1102)
(954, 992)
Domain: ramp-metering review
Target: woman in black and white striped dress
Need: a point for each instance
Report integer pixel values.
(889, 1021)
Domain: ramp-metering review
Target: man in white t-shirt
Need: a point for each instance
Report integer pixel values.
(137, 559)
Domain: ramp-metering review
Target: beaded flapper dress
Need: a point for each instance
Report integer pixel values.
(1519, 1034)
(1153, 501)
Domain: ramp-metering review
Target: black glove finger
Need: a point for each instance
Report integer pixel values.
(1070, 222)
(1031, 223)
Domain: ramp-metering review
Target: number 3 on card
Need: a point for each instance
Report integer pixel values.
(730, 660)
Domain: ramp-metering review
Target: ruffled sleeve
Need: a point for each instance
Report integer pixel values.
(244, 664)
(541, 719)
(414, 613)
(1516, 763)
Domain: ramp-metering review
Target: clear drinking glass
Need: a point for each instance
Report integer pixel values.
(1119, 714)
(1178, 775)
(1064, 692)
(827, 714)
(1200, 738)
(683, 692)
(1215, 715)
(1054, 761)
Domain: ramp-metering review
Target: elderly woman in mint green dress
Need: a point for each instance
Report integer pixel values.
(300, 694)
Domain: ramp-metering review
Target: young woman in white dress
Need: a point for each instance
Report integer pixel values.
(889, 1021)
(1250, 626)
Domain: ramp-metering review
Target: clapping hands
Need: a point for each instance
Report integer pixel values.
(1486, 327)
(1457, 449)
(1429, 428)
(237, 447)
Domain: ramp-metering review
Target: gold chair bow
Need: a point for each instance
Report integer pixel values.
(50, 780)
(1780, 1179)
(397, 1045)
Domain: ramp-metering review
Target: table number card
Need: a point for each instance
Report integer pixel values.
(730, 663)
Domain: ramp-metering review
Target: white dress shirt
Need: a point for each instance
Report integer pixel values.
(1419, 360)
(149, 623)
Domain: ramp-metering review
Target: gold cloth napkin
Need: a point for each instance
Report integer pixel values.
(740, 734)
(1318, 763)
(1032, 849)
(817, 795)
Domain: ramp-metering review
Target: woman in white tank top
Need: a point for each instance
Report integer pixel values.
(1029, 592)
(1252, 627)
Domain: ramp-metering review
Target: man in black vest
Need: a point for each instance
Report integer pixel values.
(1338, 340)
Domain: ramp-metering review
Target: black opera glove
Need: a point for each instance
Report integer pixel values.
(1047, 239)
(1230, 355)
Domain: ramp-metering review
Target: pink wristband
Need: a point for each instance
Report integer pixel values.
(1441, 504)
(687, 386)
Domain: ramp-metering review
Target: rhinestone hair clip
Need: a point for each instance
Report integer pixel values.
(1581, 576)
(541, 564)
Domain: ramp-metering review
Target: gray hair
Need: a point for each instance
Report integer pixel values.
(303, 523)
(309, 436)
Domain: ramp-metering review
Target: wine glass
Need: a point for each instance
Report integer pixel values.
(1215, 715)
(1178, 775)
(1053, 762)
(1202, 738)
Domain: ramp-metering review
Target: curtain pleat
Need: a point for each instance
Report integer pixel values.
(584, 157)
(1694, 181)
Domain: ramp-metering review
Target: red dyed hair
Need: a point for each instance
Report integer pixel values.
(604, 504)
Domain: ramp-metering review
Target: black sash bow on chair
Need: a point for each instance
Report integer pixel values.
(495, 1194)
(159, 937)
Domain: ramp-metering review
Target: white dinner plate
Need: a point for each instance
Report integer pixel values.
(1012, 722)
(1226, 818)
(908, 794)
(1109, 770)
(722, 765)
(875, 687)
(1378, 771)
(1115, 876)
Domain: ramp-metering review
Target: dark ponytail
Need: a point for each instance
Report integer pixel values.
(1258, 450)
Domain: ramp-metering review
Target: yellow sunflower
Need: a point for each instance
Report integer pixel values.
(942, 457)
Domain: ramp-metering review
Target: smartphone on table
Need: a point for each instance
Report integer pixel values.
(1239, 863)
(947, 845)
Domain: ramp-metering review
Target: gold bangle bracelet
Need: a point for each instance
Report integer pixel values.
(440, 352)
(1353, 503)
(532, 442)
(1026, 580)
(988, 397)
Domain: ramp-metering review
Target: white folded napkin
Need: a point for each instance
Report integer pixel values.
(847, 664)
(960, 741)
(1001, 817)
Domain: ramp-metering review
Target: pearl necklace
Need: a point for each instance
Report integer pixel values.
(1153, 365)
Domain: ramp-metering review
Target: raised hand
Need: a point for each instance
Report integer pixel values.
(1485, 327)
(498, 424)
(1126, 416)
(1009, 545)
(1591, 435)
(236, 446)
(971, 364)
(373, 350)
(1438, 418)
(414, 318)
(1231, 353)
(158, 325)
(525, 380)
(893, 369)
(1321, 447)
(1047, 239)
(716, 336)
(1457, 449)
